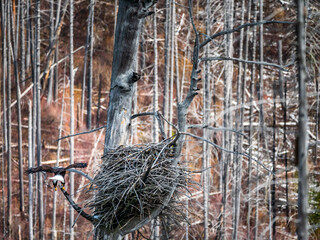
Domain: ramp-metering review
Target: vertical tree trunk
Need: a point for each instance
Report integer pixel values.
(227, 120)
(8, 90)
(99, 101)
(51, 73)
(89, 99)
(71, 72)
(22, 44)
(18, 106)
(4, 10)
(246, 53)
(155, 79)
(53, 228)
(38, 118)
(29, 37)
(302, 223)
(166, 63)
(172, 35)
(206, 112)
(123, 75)
(30, 176)
(274, 163)
(239, 139)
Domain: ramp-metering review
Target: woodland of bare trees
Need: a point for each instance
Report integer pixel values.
(197, 119)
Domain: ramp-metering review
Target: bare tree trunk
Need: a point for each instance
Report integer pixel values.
(155, 137)
(253, 76)
(56, 55)
(89, 99)
(206, 150)
(22, 44)
(302, 223)
(4, 14)
(227, 120)
(38, 118)
(123, 75)
(239, 139)
(15, 35)
(9, 152)
(166, 63)
(29, 37)
(172, 35)
(72, 73)
(30, 176)
(99, 101)
(155, 79)
(53, 228)
(51, 73)
(246, 53)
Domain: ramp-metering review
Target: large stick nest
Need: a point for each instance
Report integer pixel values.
(133, 181)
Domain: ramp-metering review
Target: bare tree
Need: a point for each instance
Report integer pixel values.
(37, 92)
(72, 73)
(30, 176)
(9, 150)
(89, 98)
(4, 14)
(302, 225)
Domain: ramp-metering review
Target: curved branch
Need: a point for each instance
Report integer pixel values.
(81, 173)
(77, 208)
(156, 115)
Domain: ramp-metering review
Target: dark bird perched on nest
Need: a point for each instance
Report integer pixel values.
(59, 172)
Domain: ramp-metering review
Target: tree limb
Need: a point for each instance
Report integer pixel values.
(81, 173)
(77, 134)
(226, 150)
(244, 61)
(77, 208)
(239, 28)
(215, 129)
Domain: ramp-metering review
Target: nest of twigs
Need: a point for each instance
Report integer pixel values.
(133, 181)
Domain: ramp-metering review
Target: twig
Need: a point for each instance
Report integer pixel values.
(239, 28)
(156, 114)
(226, 150)
(244, 61)
(215, 129)
(77, 134)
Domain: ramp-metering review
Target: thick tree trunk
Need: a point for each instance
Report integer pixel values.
(130, 15)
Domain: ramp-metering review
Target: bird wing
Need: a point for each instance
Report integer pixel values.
(41, 168)
(77, 165)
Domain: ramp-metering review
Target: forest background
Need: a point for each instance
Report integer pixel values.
(56, 68)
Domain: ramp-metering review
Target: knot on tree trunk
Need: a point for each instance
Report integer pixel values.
(126, 80)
